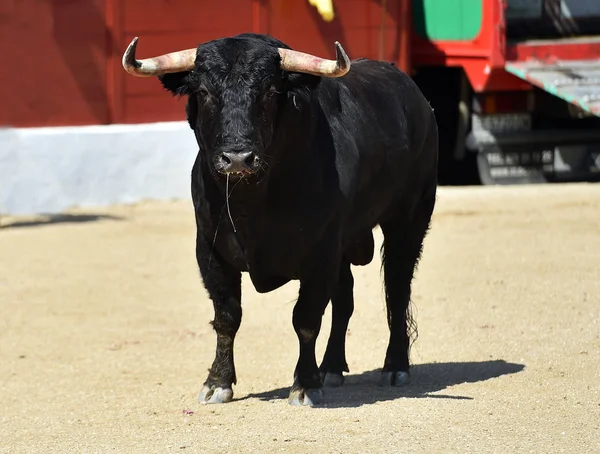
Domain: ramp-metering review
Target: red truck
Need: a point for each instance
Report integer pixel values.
(515, 85)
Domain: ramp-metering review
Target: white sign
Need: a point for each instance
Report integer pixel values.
(502, 123)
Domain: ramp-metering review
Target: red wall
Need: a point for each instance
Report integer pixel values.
(53, 62)
(357, 26)
(66, 56)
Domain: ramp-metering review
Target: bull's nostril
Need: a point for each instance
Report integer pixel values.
(226, 159)
(250, 160)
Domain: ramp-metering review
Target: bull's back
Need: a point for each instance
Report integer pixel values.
(391, 101)
(388, 141)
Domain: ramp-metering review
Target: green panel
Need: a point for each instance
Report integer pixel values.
(447, 20)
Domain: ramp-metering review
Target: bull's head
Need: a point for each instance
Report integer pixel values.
(236, 88)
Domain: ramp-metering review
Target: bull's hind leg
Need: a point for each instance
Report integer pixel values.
(403, 242)
(342, 305)
(223, 284)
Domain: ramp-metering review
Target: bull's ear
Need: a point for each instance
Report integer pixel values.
(177, 83)
(191, 111)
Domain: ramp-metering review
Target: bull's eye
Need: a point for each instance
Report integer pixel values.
(202, 92)
(270, 94)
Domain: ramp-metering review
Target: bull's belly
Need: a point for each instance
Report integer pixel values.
(284, 249)
(277, 260)
(274, 265)
(271, 261)
(266, 283)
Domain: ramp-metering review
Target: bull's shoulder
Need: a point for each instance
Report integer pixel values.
(377, 68)
(368, 78)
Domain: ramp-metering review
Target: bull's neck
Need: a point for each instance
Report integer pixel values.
(294, 144)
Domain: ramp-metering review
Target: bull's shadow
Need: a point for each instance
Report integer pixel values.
(362, 389)
(59, 219)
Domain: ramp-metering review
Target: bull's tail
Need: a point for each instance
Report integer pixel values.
(401, 252)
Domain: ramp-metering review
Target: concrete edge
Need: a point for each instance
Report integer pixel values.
(49, 170)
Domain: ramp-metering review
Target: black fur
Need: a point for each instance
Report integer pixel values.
(338, 157)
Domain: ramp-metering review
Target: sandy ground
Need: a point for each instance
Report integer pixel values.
(105, 341)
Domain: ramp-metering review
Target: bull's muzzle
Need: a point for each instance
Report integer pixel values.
(237, 162)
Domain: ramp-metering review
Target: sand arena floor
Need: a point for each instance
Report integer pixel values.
(105, 341)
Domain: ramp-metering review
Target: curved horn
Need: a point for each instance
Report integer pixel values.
(292, 60)
(173, 62)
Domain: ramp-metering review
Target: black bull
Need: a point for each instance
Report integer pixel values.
(294, 170)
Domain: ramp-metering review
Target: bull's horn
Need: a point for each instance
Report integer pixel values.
(300, 62)
(174, 62)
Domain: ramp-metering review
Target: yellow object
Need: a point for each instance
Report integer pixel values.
(325, 8)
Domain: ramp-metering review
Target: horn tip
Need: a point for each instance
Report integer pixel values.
(342, 57)
(129, 62)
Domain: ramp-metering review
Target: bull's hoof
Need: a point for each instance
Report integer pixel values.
(306, 397)
(215, 395)
(332, 380)
(399, 378)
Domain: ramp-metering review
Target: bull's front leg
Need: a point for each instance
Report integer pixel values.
(308, 313)
(223, 284)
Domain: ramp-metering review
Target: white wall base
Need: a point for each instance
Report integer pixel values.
(48, 170)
